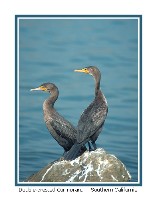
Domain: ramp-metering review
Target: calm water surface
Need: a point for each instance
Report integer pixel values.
(50, 50)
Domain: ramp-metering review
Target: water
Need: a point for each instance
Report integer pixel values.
(49, 52)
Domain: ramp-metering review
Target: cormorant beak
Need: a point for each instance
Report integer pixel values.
(39, 88)
(84, 70)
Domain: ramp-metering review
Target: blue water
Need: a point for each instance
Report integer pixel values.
(49, 51)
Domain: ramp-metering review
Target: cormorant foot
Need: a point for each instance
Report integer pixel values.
(94, 145)
(90, 148)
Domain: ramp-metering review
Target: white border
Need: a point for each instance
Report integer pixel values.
(139, 51)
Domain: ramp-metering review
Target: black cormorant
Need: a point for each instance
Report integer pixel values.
(61, 129)
(92, 119)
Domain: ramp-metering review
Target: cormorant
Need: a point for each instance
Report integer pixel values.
(61, 129)
(92, 119)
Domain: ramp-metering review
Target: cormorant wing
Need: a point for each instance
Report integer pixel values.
(92, 119)
(55, 134)
(63, 128)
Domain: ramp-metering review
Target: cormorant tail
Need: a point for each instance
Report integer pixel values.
(77, 150)
(73, 153)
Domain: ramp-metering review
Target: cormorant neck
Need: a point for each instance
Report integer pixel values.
(48, 103)
(97, 79)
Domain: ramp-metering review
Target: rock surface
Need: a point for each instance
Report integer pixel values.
(95, 166)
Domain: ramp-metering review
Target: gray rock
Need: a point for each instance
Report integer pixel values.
(95, 166)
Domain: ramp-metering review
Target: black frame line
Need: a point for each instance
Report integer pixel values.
(16, 99)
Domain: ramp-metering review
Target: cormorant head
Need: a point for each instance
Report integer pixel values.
(47, 87)
(92, 70)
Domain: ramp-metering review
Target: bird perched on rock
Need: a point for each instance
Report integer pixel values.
(92, 119)
(60, 128)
